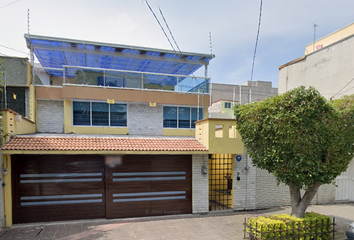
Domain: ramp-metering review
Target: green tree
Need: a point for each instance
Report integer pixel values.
(301, 138)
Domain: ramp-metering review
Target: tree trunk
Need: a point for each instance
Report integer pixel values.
(298, 204)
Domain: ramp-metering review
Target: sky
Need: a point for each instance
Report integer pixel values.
(286, 28)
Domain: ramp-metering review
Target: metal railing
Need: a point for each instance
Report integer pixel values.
(121, 79)
(310, 229)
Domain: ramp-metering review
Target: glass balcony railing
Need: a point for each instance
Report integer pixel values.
(120, 79)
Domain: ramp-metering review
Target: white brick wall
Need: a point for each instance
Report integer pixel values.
(145, 120)
(269, 194)
(50, 116)
(200, 184)
(258, 189)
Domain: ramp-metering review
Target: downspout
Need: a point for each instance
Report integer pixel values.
(5, 88)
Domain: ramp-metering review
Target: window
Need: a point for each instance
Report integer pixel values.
(184, 117)
(227, 105)
(118, 114)
(181, 117)
(99, 114)
(170, 117)
(81, 112)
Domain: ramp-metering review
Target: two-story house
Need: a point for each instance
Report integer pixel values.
(118, 131)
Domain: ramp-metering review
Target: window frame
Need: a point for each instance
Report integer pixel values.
(109, 113)
(227, 105)
(177, 119)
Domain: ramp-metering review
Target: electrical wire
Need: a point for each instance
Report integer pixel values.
(164, 19)
(342, 89)
(153, 13)
(257, 38)
(9, 4)
(13, 49)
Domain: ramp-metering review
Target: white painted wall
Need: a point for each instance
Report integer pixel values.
(328, 70)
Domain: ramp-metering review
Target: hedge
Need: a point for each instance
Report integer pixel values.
(312, 226)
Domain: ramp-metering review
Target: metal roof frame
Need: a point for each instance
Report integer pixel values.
(183, 55)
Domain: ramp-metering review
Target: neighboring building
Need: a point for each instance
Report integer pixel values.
(330, 70)
(119, 131)
(221, 109)
(260, 90)
(15, 84)
(225, 95)
(339, 35)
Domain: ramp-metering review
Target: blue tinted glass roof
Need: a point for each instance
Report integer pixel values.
(56, 52)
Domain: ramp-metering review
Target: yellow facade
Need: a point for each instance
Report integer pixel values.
(7, 191)
(219, 136)
(13, 123)
(178, 132)
(32, 104)
(331, 38)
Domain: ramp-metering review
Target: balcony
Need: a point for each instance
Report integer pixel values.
(110, 78)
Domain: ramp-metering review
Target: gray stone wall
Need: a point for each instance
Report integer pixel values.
(145, 120)
(15, 71)
(50, 116)
(200, 184)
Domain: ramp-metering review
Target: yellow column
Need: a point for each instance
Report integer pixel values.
(67, 116)
(7, 191)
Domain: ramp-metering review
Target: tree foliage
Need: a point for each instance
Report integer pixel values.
(299, 136)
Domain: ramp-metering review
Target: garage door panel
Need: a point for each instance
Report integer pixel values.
(135, 209)
(170, 207)
(162, 185)
(72, 189)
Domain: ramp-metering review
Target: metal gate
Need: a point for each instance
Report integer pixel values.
(221, 169)
(345, 183)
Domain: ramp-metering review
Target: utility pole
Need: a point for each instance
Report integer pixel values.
(314, 35)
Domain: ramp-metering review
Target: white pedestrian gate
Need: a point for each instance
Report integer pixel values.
(345, 183)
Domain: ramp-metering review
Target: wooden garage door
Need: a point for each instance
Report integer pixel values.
(149, 185)
(53, 188)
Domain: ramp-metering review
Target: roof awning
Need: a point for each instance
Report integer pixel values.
(55, 52)
(101, 145)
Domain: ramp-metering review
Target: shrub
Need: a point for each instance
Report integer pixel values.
(312, 226)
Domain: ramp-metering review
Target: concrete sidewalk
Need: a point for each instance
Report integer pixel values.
(226, 225)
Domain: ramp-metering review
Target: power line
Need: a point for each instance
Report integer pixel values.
(175, 41)
(257, 38)
(13, 49)
(160, 25)
(255, 48)
(342, 89)
(9, 4)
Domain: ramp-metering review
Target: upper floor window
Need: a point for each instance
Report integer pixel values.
(99, 114)
(181, 117)
(227, 105)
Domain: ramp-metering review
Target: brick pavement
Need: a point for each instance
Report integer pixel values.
(225, 225)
